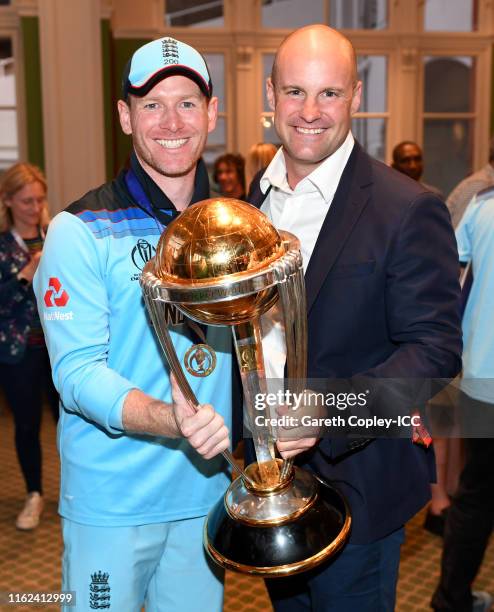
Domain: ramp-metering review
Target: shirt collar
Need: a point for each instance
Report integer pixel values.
(159, 200)
(324, 178)
(275, 174)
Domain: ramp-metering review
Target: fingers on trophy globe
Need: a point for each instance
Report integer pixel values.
(222, 262)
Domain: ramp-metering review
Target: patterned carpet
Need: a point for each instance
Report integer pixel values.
(30, 561)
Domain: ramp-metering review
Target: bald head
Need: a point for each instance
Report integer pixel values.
(316, 39)
(314, 93)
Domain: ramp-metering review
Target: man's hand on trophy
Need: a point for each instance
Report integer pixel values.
(298, 427)
(291, 448)
(203, 427)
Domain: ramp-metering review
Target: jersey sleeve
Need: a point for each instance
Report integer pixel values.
(72, 297)
(463, 234)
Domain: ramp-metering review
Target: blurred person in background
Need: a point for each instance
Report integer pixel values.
(461, 195)
(408, 159)
(25, 368)
(470, 518)
(229, 175)
(258, 158)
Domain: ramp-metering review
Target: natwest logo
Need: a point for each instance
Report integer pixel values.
(55, 295)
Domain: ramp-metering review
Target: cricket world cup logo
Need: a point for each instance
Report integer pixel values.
(200, 360)
(142, 253)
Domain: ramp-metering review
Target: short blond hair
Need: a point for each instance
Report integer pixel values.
(15, 178)
(258, 157)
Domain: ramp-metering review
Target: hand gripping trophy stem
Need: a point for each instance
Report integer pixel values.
(221, 262)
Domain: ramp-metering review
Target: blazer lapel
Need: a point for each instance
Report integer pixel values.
(256, 197)
(348, 203)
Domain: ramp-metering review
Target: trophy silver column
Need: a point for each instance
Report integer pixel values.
(222, 262)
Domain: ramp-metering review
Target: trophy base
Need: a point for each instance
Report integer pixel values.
(279, 532)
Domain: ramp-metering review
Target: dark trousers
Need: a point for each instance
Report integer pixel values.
(23, 384)
(361, 578)
(468, 526)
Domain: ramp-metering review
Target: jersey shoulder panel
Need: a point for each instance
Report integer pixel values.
(109, 211)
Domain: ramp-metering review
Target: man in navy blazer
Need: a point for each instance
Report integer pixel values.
(382, 291)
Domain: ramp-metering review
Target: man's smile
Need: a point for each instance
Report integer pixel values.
(304, 130)
(172, 143)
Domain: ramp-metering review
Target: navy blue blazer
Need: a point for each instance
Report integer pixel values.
(383, 300)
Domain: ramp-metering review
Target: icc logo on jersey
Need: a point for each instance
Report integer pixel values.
(142, 253)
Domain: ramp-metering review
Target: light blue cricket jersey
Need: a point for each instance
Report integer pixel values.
(475, 236)
(101, 346)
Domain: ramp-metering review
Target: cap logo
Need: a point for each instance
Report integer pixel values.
(169, 50)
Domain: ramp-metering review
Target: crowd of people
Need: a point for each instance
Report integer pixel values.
(140, 467)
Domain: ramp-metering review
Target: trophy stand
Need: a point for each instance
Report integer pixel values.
(223, 263)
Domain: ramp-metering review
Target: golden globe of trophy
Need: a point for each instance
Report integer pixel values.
(222, 262)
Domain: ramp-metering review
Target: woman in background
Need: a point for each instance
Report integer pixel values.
(258, 158)
(229, 175)
(24, 364)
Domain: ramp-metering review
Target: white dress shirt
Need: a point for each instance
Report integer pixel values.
(300, 211)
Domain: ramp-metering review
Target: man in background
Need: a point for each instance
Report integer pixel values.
(471, 514)
(409, 159)
(461, 195)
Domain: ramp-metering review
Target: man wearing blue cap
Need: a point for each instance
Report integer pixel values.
(135, 485)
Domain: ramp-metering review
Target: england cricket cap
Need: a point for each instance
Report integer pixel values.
(162, 58)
